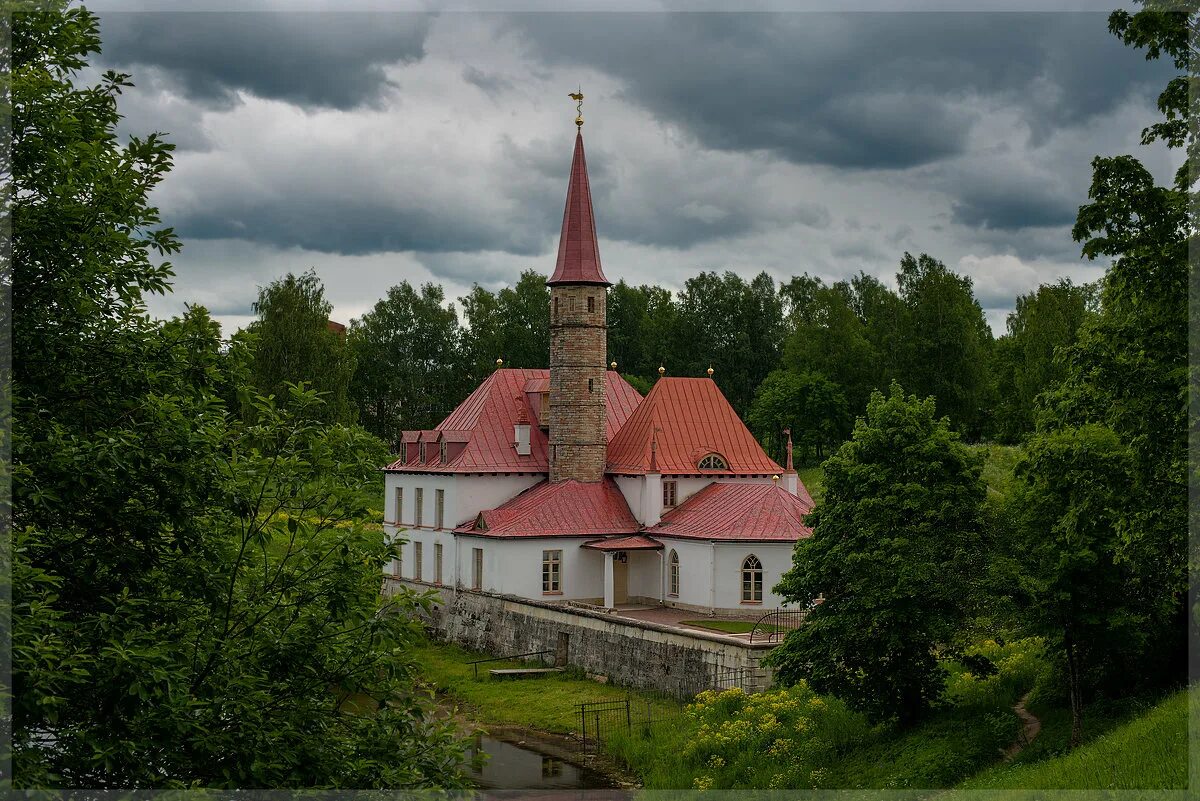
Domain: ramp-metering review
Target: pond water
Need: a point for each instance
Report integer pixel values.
(523, 767)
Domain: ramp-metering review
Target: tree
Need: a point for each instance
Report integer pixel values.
(895, 549)
(1071, 486)
(833, 342)
(1027, 359)
(1128, 370)
(812, 407)
(513, 325)
(732, 325)
(193, 595)
(640, 320)
(410, 372)
(294, 343)
(947, 341)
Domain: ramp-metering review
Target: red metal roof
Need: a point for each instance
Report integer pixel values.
(634, 543)
(485, 422)
(692, 419)
(724, 511)
(578, 251)
(561, 508)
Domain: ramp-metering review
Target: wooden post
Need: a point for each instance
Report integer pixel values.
(628, 717)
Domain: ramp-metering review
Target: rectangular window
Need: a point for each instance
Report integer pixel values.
(477, 569)
(551, 571)
(403, 451)
(419, 501)
(439, 508)
(556, 309)
(437, 563)
(396, 568)
(417, 553)
(668, 493)
(398, 562)
(591, 385)
(399, 505)
(591, 304)
(422, 450)
(443, 452)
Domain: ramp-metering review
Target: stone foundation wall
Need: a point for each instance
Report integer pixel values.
(632, 653)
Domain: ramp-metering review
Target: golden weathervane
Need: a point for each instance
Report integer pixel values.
(577, 96)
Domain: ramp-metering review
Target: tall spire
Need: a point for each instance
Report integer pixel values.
(578, 251)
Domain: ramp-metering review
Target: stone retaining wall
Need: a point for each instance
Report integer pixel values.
(632, 653)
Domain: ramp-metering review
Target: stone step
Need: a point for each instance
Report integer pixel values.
(523, 673)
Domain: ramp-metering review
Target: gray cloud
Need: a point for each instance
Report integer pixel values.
(857, 90)
(324, 59)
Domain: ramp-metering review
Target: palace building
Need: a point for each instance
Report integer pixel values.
(567, 485)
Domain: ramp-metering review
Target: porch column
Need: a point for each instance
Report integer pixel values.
(609, 594)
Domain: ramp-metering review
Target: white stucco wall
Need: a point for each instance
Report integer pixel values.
(514, 566)
(696, 572)
(466, 495)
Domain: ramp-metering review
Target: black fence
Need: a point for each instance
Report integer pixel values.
(775, 625)
(598, 720)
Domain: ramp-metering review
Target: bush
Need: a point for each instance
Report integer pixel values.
(1019, 666)
(783, 738)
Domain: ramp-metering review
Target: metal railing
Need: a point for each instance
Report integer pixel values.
(774, 625)
(475, 664)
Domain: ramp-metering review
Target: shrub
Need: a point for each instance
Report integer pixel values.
(779, 739)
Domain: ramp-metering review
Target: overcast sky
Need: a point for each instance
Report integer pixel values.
(382, 147)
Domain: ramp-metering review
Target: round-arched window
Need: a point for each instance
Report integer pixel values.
(752, 580)
(714, 461)
(673, 573)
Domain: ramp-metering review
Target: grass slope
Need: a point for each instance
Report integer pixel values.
(547, 703)
(1148, 752)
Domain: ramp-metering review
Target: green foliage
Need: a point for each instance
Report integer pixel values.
(1027, 360)
(192, 593)
(641, 320)
(947, 341)
(780, 739)
(409, 374)
(512, 324)
(733, 325)
(293, 343)
(896, 546)
(808, 404)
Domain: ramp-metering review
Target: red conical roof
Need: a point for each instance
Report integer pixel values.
(578, 251)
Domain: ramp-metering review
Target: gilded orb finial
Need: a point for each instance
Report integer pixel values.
(709, 371)
(775, 479)
(661, 370)
(499, 362)
(577, 96)
(612, 366)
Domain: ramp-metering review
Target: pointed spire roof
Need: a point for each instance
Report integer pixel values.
(578, 251)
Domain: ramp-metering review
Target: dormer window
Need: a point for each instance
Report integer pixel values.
(422, 451)
(480, 523)
(443, 451)
(714, 461)
(403, 451)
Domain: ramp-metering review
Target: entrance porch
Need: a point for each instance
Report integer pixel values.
(633, 568)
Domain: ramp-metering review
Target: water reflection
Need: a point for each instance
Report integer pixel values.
(523, 767)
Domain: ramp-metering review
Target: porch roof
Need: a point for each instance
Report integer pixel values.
(634, 543)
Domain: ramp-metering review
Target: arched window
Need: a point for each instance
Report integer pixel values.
(673, 573)
(752, 580)
(714, 461)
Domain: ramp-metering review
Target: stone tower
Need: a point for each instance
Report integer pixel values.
(578, 339)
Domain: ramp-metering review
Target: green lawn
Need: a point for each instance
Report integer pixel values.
(546, 703)
(1148, 752)
(813, 478)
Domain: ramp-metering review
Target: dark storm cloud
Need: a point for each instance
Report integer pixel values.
(353, 226)
(856, 90)
(318, 59)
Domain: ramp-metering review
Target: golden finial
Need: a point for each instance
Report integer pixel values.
(612, 366)
(499, 362)
(709, 371)
(661, 371)
(577, 96)
(775, 479)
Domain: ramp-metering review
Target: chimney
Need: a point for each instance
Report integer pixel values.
(652, 493)
(521, 429)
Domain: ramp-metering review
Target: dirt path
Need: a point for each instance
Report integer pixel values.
(1030, 727)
